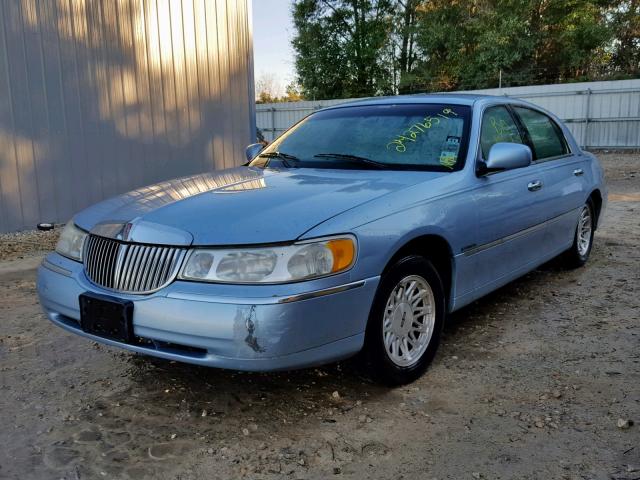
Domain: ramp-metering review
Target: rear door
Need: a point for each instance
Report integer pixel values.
(565, 175)
(509, 208)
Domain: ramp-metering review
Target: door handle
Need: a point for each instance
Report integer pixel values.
(534, 186)
(578, 171)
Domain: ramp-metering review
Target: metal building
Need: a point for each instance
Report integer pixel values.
(98, 97)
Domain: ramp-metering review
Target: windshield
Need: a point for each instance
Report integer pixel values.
(411, 137)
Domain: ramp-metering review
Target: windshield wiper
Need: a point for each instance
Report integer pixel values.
(357, 158)
(282, 156)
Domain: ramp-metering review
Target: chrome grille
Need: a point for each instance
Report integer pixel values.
(130, 267)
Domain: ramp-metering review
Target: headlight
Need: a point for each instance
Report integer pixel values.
(291, 263)
(71, 242)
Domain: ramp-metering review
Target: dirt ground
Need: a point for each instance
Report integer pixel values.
(530, 383)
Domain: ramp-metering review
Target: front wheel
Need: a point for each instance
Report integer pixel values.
(579, 252)
(406, 320)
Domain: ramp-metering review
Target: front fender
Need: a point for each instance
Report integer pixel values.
(380, 239)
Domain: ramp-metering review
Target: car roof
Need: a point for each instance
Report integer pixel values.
(455, 98)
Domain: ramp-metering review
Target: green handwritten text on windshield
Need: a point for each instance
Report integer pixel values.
(410, 135)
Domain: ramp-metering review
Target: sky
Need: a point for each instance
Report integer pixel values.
(272, 33)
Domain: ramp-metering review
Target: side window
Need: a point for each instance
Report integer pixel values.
(497, 126)
(545, 135)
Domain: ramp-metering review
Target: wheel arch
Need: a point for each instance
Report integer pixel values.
(596, 198)
(437, 250)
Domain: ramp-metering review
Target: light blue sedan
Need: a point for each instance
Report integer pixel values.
(358, 229)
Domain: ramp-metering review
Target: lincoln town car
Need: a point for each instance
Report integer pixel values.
(358, 230)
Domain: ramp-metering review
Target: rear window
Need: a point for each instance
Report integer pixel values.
(416, 136)
(545, 134)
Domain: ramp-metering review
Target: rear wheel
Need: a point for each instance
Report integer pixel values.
(406, 320)
(579, 252)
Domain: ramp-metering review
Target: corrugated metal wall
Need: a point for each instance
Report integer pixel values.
(599, 114)
(98, 97)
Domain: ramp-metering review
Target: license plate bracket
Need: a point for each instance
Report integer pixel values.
(106, 317)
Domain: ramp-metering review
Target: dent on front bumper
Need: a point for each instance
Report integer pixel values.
(254, 328)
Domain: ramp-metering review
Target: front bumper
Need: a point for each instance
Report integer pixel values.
(255, 328)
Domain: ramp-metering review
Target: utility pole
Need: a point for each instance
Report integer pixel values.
(500, 79)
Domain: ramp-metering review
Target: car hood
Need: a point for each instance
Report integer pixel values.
(244, 205)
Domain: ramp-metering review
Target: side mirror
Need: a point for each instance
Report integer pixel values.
(507, 156)
(253, 150)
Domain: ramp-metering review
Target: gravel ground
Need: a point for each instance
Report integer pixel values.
(539, 380)
(27, 244)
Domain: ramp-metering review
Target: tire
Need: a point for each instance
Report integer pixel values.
(579, 252)
(410, 345)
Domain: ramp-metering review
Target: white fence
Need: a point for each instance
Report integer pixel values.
(599, 114)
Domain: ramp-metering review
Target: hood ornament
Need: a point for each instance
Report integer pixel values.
(115, 230)
(126, 231)
(142, 231)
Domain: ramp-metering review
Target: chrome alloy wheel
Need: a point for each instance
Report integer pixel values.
(409, 319)
(584, 231)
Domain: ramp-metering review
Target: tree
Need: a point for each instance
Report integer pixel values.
(351, 48)
(407, 13)
(572, 36)
(293, 93)
(466, 44)
(339, 47)
(267, 88)
(625, 21)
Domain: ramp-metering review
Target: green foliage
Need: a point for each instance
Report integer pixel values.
(351, 48)
(339, 47)
(625, 21)
(268, 90)
(530, 41)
